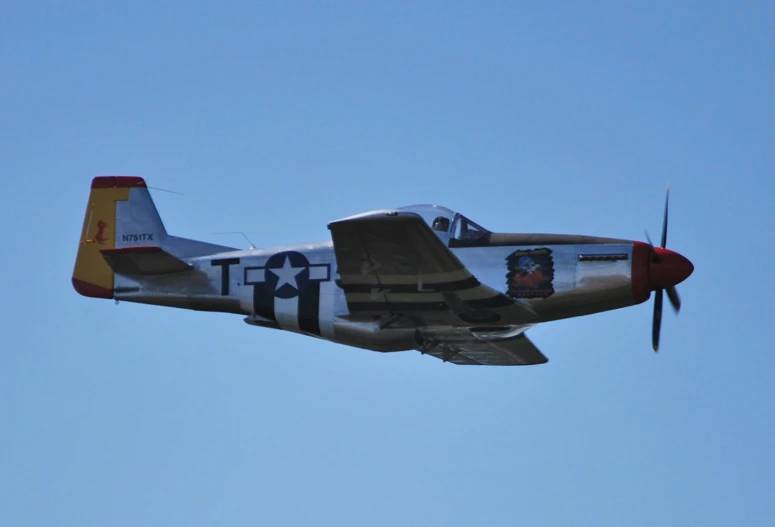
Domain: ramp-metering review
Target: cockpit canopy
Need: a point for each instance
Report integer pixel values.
(447, 223)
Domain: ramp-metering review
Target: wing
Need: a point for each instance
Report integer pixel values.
(488, 348)
(391, 263)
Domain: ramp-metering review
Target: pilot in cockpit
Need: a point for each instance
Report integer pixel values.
(441, 224)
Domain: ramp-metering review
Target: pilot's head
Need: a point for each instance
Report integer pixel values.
(441, 224)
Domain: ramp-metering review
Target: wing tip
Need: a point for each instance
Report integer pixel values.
(377, 215)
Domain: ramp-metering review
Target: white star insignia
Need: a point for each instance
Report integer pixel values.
(286, 274)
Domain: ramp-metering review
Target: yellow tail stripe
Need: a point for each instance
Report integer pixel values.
(92, 276)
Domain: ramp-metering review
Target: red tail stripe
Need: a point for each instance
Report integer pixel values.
(94, 291)
(117, 182)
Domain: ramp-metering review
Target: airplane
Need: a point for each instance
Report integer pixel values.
(419, 278)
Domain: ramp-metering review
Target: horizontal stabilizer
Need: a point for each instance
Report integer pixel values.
(143, 259)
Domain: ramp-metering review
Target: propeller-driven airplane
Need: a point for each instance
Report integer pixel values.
(414, 278)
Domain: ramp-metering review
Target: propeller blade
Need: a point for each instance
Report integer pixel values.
(664, 221)
(675, 300)
(672, 293)
(657, 324)
(654, 254)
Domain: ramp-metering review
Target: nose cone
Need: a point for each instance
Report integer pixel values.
(668, 268)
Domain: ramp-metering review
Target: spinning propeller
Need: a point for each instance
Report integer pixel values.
(665, 269)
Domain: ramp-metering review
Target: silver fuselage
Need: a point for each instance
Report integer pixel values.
(590, 275)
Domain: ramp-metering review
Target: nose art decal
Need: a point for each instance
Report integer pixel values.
(530, 273)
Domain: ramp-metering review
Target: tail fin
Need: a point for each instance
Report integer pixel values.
(120, 213)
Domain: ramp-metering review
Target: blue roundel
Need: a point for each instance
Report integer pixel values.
(287, 274)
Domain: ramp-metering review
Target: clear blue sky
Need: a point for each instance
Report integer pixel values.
(274, 118)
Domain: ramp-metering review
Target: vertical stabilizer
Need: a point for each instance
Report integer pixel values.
(120, 213)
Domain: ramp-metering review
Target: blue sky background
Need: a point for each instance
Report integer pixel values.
(275, 118)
